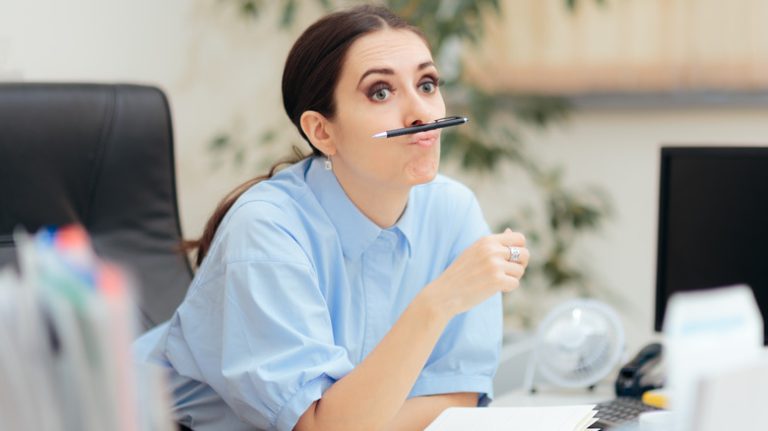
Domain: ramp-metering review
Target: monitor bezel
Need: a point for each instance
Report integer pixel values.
(666, 154)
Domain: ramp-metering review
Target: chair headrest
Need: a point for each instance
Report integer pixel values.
(100, 156)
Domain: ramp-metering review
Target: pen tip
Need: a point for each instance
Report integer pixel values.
(380, 135)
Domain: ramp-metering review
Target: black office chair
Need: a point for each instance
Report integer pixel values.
(100, 156)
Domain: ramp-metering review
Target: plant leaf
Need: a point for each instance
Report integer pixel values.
(289, 13)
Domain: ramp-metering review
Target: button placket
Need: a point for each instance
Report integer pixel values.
(377, 281)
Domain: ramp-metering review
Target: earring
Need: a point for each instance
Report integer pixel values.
(328, 164)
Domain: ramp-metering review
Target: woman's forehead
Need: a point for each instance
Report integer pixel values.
(388, 48)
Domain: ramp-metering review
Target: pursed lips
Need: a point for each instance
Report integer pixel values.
(424, 139)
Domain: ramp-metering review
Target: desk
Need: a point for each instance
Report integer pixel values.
(554, 397)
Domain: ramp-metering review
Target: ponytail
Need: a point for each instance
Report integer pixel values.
(201, 245)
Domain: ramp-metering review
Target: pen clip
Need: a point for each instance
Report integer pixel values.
(453, 117)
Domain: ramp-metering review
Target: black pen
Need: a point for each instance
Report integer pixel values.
(437, 124)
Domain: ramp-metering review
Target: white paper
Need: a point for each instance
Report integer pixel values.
(734, 399)
(560, 418)
(707, 332)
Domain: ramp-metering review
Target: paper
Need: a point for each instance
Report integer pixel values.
(734, 399)
(707, 332)
(560, 418)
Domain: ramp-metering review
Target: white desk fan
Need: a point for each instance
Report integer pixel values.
(577, 344)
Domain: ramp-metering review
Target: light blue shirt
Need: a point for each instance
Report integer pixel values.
(299, 286)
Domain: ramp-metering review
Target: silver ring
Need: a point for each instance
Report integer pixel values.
(514, 254)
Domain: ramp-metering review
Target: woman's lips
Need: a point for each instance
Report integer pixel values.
(424, 139)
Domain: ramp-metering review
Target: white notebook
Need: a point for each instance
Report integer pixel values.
(559, 418)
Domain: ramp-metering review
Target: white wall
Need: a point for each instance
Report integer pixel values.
(619, 151)
(222, 73)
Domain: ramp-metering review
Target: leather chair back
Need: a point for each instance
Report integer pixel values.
(100, 156)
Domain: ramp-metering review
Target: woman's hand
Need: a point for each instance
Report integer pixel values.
(492, 264)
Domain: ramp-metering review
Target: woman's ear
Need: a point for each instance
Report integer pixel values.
(316, 127)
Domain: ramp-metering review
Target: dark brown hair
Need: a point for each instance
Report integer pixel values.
(310, 76)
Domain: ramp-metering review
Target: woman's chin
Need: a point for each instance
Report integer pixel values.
(422, 171)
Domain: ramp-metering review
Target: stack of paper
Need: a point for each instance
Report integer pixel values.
(733, 399)
(560, 418)
(709, 332)
(66, 326)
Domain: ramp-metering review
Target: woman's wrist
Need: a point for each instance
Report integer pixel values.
(433, 303)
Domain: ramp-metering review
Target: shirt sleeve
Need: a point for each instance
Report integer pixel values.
(259, 330)
(466, 357)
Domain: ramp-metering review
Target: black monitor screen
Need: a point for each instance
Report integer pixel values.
(713, 222)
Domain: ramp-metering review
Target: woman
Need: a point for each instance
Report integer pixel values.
(356, 289)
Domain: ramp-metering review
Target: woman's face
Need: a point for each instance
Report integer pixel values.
(388, 81)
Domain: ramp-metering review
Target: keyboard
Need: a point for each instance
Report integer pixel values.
(619, 411)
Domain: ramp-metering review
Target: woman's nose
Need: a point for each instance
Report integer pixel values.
(417, 110)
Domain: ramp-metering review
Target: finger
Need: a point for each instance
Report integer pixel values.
(511, 284)
(515, 270)
(514, 254)
(508, 237)
(514, 238)
(525, 256)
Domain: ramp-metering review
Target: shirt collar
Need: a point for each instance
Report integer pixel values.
(407, 222)
(356, 231)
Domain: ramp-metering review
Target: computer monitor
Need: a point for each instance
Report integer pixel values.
(713, 222)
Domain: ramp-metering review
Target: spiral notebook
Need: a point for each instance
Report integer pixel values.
(559, 418)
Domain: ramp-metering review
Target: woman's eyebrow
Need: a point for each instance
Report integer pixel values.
(383, 70)
(390, 71)
(425, 65)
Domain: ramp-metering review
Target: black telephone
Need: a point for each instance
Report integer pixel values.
(638, 376)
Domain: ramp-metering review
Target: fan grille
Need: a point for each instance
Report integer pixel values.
(579, 343)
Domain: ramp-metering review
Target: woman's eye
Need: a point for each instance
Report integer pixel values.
(380, 94)
(428, 87)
